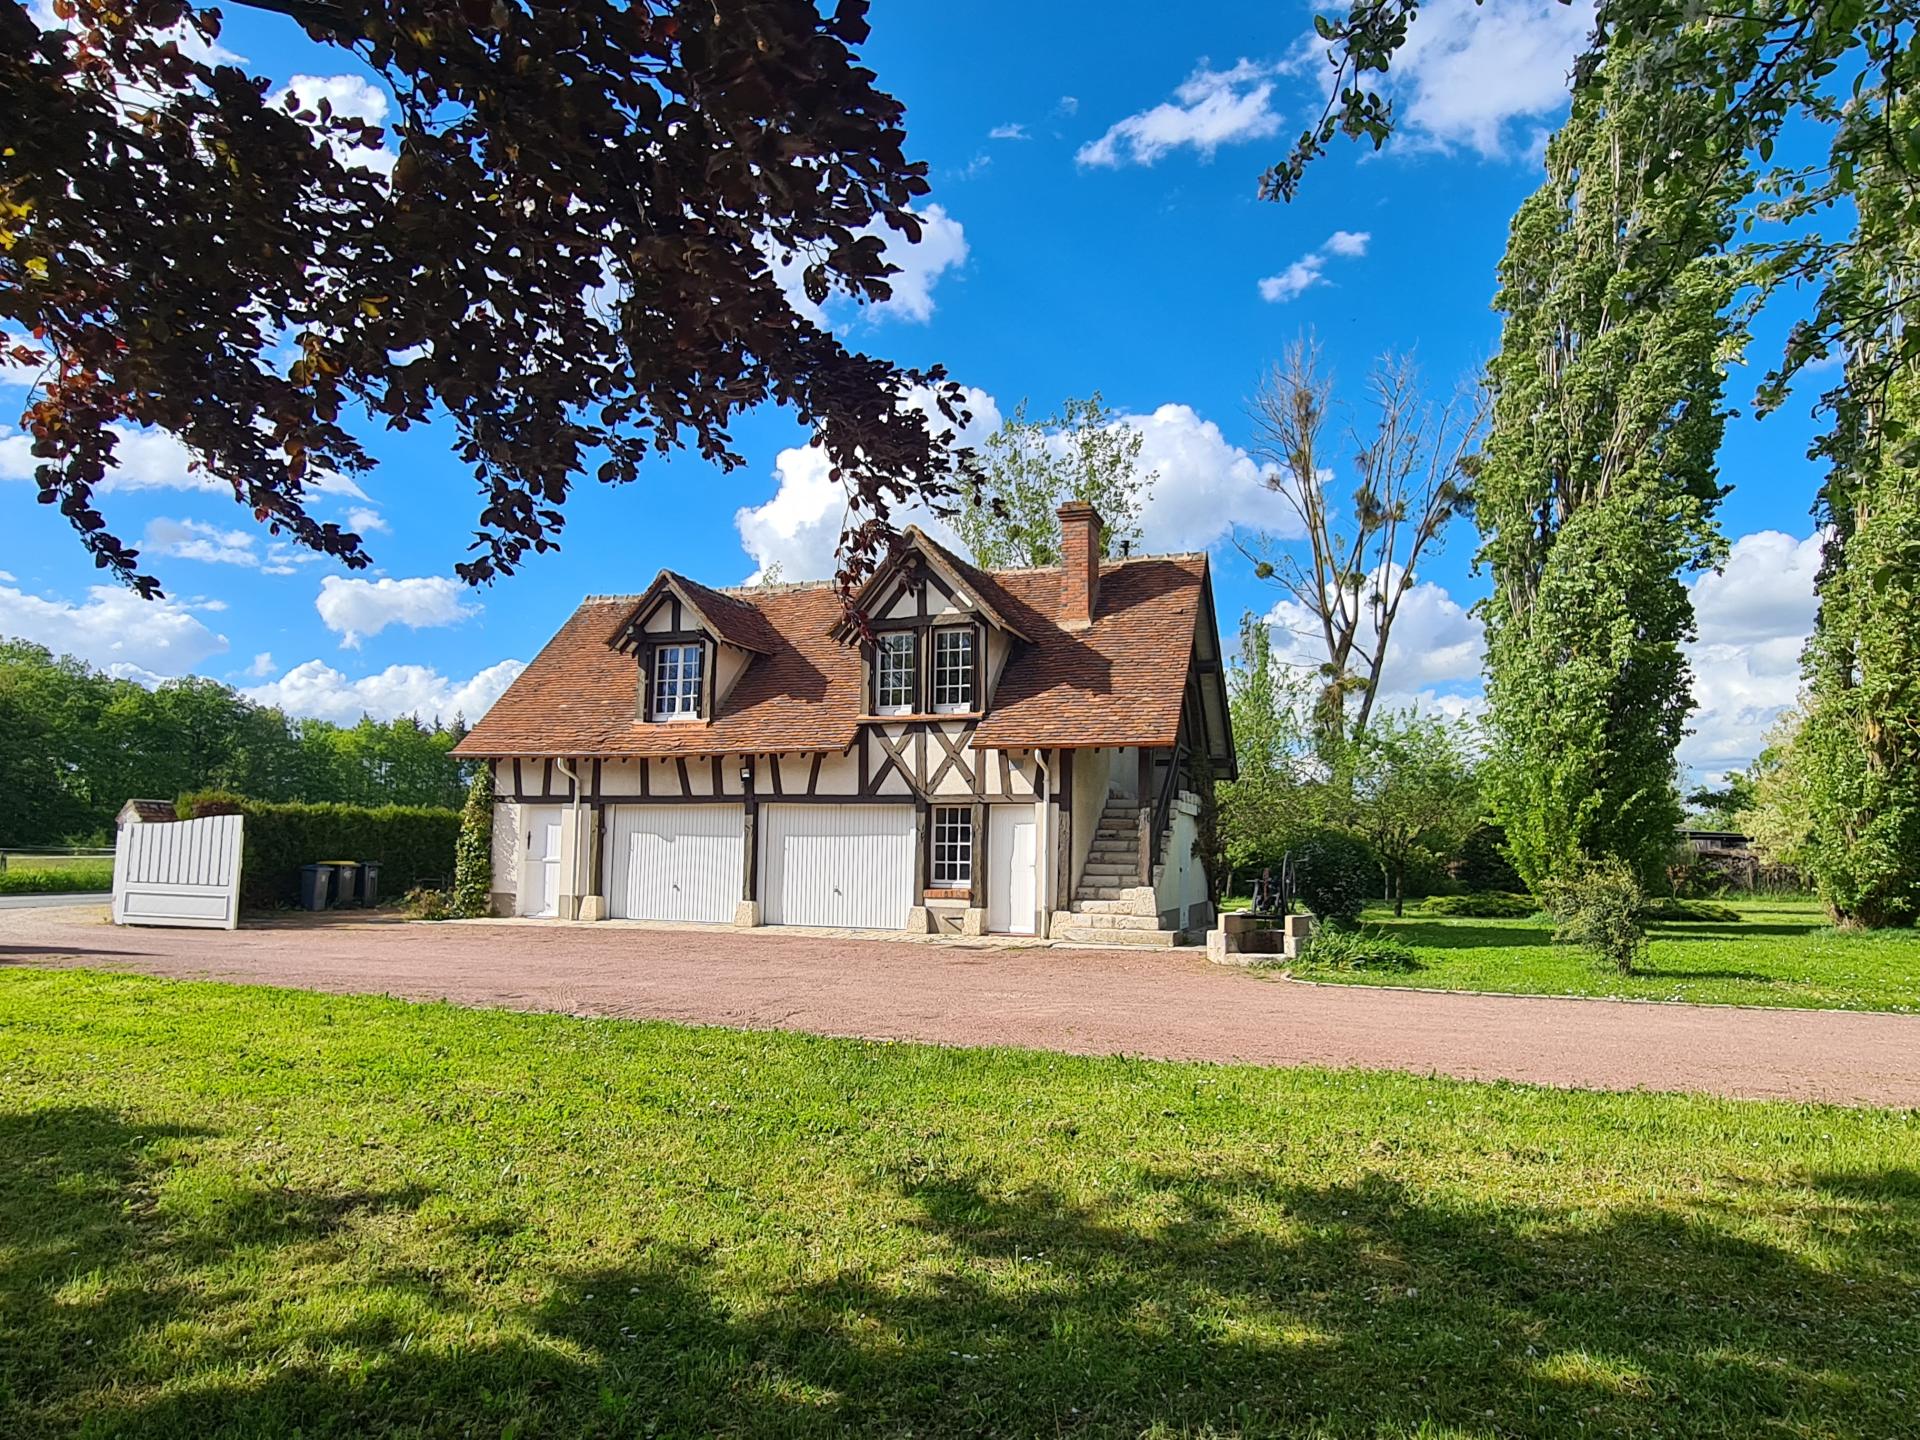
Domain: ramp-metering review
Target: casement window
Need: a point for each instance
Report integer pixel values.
(893, 677)
(952, 671)
(952, 847)
(678, 672)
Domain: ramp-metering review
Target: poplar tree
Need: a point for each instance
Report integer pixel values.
(1599, 486)
(1858, 749)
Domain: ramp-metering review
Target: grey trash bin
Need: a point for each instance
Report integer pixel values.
(369, 882)
(316, 886)
(346, 882)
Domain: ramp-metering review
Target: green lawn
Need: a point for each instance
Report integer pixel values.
(55, 874)
(230, 1211)
(1780, 952)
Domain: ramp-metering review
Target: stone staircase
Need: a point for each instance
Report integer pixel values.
(1111, 906)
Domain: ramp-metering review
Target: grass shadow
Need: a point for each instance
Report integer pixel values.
(1184, 1298)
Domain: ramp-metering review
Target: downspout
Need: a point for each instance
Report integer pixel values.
(1045, 857)
(573, 779)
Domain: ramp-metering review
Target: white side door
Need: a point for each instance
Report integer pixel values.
(540, 874)
(845, 866)
(1012, 897)
(675, 862)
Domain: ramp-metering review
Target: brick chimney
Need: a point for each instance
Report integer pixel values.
(1080, 549)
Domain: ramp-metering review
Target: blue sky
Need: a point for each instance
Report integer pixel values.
(1092, 226)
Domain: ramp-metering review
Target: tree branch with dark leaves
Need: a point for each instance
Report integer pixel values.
(571, 262)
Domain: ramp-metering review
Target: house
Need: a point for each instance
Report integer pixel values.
(1025, 752)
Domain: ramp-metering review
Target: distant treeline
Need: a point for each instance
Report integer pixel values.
(76, 743)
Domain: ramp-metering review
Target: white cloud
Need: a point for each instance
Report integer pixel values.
(1754, 619)
(356, 609)
(1309, 270)
(363, 521)
(799, 528)
(316, 689)
(114, 627)
(348, 95)
(262, 665)
(1206, 486)
(144, 460)
(1211, 108)
(1473, 72)
(197, 540)
(1010, 131)
(1435, 642)
(325, 482)
(190, 41)
(942, 247)
(1067, 105)
(153, 460)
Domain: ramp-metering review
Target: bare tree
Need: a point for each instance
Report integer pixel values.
(1414, 469)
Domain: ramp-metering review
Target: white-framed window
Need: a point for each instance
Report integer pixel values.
(677, 675)
(893, 687)
(952, 847)
(952, 671)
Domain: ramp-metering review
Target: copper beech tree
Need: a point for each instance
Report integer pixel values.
(571, 258)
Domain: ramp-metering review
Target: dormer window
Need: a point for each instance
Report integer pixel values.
(893, 677)
(678, 671)
(953, 671)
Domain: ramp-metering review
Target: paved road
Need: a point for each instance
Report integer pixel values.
(1172, 1005)
(53, 902)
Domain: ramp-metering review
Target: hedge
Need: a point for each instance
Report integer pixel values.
(413, 844)
(87, 876)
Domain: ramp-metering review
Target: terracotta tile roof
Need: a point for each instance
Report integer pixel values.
(734, 620)
(1118, 682)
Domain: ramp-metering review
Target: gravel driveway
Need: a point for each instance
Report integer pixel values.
(1171, 1005)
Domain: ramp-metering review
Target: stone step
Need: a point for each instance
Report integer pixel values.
(1141, 902)
(1111, 920)
(1111, 875)
(1087, 935)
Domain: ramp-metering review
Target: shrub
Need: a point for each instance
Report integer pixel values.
(1356, 950)
(412, 844)
(1336, 875)
(75, 879)
(1674, 908)
(1497, 906)
(1484, 864)
(1604, 908)
(473, 852)
(426, 902)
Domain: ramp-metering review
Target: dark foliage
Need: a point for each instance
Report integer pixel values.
(1484, 905)
(413, 844)
(1336, 876)
(1484, 864)
(572, 260)
(81, 743)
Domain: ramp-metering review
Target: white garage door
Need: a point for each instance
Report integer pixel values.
(848, 866)
(674, 862)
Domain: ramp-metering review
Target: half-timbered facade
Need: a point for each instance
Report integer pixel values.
(1023, 752)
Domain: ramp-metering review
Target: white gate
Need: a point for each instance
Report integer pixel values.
(186, 872)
